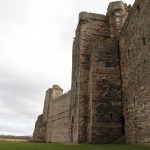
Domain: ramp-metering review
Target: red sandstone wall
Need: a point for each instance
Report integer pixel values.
(135, 68)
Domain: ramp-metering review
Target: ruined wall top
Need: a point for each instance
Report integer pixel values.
(115, 6)
(61, 97)
(57, 87)
(112, 8)
(118, 6)
(85, 16)
(117, 13)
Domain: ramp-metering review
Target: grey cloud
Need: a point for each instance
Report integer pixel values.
(13, 11)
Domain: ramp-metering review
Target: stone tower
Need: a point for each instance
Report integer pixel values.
(51, 94)
(96, 105)
(41, 126)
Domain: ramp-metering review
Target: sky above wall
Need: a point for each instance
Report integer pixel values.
(35, 52)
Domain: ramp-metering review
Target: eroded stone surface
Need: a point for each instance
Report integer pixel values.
(39, 131)
(135, 68)
(86, 95)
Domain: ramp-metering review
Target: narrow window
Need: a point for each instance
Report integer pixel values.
(123, 124)
(144, 41)
(111, 115)
(72, 119)
(128, 53)
(76, 84)
(138, 8)
(134, 101)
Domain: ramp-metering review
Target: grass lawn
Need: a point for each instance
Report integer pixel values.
(42, 146)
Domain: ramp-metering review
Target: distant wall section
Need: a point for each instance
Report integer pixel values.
(57, 127)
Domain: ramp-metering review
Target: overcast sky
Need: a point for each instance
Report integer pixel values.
(35, 52)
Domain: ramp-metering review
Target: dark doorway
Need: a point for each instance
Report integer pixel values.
(123, 125)
(72, 122)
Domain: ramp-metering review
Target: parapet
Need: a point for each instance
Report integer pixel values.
(86, 16)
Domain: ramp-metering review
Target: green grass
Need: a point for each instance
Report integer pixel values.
(43, 146)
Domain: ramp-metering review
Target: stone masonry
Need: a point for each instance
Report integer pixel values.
(96, 85)
(53, 125)
(39, 131)
(135, 72)
(105, 105)
(110, 91)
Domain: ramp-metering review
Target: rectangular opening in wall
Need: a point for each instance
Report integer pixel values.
(111, 115)
(144, 41)
(128, 53)
(138, 8)
(134, 101)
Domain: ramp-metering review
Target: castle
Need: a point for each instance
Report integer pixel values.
(109, 100)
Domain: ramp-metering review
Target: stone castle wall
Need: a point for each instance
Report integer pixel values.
(57, 127)
(93, 28)
(39, 131)
(109, 98)
(90, 28)
(105, 106)
(135, 68)
(51, 93)
(53, 124)
(46, 105)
